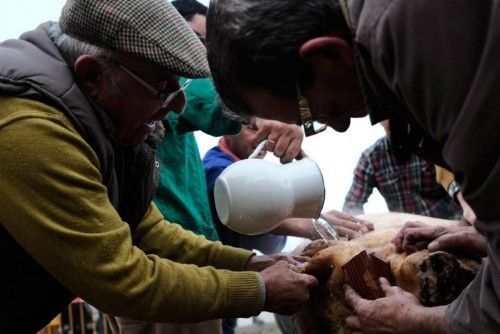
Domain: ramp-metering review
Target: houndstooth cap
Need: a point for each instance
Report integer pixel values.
(149, 29)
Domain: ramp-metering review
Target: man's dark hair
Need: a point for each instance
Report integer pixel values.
(189, 8)
(254, 43)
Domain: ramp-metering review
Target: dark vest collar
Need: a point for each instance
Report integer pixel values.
(32, 67)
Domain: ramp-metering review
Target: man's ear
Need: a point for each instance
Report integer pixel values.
(326, 53)
(88, 74)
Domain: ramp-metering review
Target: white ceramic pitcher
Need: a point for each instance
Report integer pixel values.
(254, 196)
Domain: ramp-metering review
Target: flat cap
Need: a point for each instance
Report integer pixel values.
(149, 29)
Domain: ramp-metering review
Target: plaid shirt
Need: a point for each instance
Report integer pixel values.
(408, 186)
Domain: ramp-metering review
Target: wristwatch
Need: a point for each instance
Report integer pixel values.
(453, 189)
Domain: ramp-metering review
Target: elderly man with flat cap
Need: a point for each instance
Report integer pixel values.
(80, 108)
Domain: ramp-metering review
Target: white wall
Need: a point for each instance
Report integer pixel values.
(335, 153)
(18, 16)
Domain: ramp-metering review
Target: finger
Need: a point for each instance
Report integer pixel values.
(281, 145)
(336, 219)
(348, 220)
(355, 226)
(413, 236)
(281, 263)
(292, 151)
(388, 289)
(347, 232)
(270, 145)
(352, 297)
(420, 245)
(449, 242)
(332, 214)
(311, 281)
(296, 262)
(470, 244)
(411, 224)
(352, 322)
(320, 266)
(384, 285)
(410, 234)
(464, 223)
(369, 226)
(300, 258)
(421, 234)
(399, 238)
(264, 129)
(302, 154)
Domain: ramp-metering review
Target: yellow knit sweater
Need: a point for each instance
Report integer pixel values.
(53, 203)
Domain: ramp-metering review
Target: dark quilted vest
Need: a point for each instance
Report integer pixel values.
(33, 68)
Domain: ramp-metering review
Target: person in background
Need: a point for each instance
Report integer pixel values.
(182, 192)
(181, 195)
(407, 61)
(232, 148)
(407, 183)
(236, 147)
(81, 104)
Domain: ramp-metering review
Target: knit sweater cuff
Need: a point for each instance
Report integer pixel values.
(246, 294)
(232, 258)
(262, 292)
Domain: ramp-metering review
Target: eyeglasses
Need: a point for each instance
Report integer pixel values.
(166, 97)
(310, 125)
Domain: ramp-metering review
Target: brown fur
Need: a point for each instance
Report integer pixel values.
(435, 278)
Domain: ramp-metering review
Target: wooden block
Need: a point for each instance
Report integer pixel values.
(362, 273)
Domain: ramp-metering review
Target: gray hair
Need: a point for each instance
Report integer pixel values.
(72, 48)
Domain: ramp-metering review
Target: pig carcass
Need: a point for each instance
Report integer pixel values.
(435, 278)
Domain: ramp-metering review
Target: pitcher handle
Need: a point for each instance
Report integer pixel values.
(258, 149)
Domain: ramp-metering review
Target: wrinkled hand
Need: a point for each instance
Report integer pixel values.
(284, 140)
(320, 265)
(415, 236)
(261, 262)
(346, 225)
(286, 290)
(397, 312)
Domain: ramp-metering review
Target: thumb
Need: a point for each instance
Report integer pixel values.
(302, 154)
(445, 242)
(434, 246)
(352, 297)
(384, 285)
(310, 280)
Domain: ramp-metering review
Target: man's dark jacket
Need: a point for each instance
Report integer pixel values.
(432, 68)
(33, 68)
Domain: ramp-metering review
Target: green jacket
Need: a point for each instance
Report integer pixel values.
(182, 192)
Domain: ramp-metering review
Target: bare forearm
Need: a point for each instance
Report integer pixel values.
(429, 320)
(297, 227)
